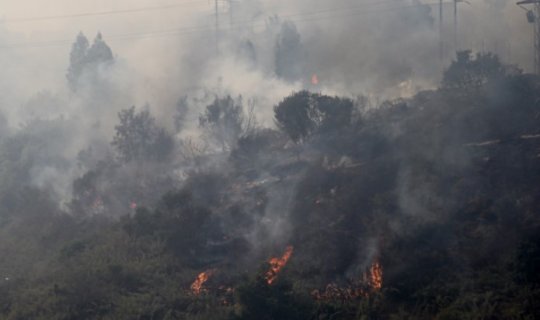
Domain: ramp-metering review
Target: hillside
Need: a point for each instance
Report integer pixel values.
(420, 208)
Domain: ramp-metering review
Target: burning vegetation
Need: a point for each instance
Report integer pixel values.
(276, 264)
(197, 285)
(374, 276)
(371, 283)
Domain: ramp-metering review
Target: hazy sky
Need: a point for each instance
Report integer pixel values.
(180, 14)
(38, 35)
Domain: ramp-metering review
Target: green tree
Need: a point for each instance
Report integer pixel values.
(182, 223)
(138, 137)
(85, 59)
(224, 121)
(468, 72)
(304, 113)
(258, 300)
(77, 60)
(289, 53)
(99, 52)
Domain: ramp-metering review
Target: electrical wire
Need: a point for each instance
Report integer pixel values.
(192, 30)
(135, 10)
(103, 13)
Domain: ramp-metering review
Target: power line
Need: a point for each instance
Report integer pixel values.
(217, 27)
(196, 29)
(103, 13)
(135, 10)
(186, 31)
(441, 41)
(350, 12)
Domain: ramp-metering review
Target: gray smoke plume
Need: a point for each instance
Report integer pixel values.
(261, 51)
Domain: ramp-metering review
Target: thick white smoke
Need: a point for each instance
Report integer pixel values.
(263, 51)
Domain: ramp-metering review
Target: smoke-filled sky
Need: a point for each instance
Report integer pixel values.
(166, 48)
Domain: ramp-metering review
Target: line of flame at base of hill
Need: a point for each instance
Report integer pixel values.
(276, 264)
(371, 283)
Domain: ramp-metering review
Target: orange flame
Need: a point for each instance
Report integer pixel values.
(374, 276)
(314, 79)
(371, 282)
(276, 264)
(196, 286)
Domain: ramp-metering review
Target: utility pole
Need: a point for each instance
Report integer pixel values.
(533, 17)
(231, 12)
(441, 43)
(455, 26)
(456, 29)
(217, 27)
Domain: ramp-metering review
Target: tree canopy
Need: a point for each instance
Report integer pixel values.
(289, 53)
(138, 137)
(223, 120)
(469, 72)
(423, 208)
(303, 114)
(86, 59)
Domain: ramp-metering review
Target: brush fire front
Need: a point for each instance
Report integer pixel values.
(197, 285)
(276, 264)
(371, 282)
